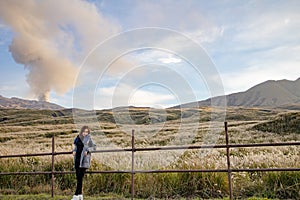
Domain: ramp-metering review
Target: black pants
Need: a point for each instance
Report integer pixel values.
(79, 176)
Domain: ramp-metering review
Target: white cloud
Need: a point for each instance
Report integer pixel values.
(267, 33)
(170, 60)
(280, 62)
(155, 56)
(208, 35)
(107, 91)
(7, 88)
(125, 95)
(16, 89)
(262, 44)
(151, 99)
(250, 42)
(251, 76)
(63, 100)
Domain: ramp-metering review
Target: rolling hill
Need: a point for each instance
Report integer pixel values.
(271, 94)
(27, 104)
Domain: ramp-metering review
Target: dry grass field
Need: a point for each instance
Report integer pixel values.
(30, 131)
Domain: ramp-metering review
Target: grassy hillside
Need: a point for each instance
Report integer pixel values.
(281, 124)
(153, 127)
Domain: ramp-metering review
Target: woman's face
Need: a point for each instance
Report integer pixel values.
(85, 132)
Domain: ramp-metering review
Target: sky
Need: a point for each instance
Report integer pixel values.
(110, 53)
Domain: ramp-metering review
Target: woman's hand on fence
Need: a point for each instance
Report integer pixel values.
(74, 153)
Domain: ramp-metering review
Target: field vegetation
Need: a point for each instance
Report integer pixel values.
(30, 131)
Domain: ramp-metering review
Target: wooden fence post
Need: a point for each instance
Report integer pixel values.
(132, 164)
(52, 167)
(228, 161)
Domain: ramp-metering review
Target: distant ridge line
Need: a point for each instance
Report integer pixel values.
(18, 103)
(283, 94)
(271, 94)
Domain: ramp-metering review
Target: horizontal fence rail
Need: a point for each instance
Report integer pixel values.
(226, 146)
(163, 149)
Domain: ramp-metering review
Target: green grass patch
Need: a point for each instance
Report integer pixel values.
(281, 185)
(98, 197)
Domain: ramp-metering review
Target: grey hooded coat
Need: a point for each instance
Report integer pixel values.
(89, 147)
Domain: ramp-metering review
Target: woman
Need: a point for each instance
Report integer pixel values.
(84, 145)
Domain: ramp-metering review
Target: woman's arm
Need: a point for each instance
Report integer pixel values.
(91, 146)
(75, 147)
(74, 150)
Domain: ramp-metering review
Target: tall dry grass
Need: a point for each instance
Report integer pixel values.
(282, 185)
(30, 132)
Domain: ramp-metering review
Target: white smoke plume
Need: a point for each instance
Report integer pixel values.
(51, 37)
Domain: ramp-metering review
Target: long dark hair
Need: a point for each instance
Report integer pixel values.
(82, 130)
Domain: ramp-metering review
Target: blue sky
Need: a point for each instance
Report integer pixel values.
(249, 42)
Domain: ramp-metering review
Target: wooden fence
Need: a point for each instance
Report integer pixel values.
(226, 146)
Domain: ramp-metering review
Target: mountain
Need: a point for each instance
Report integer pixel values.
(272, 94)
(27, 104)
(281, 93)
